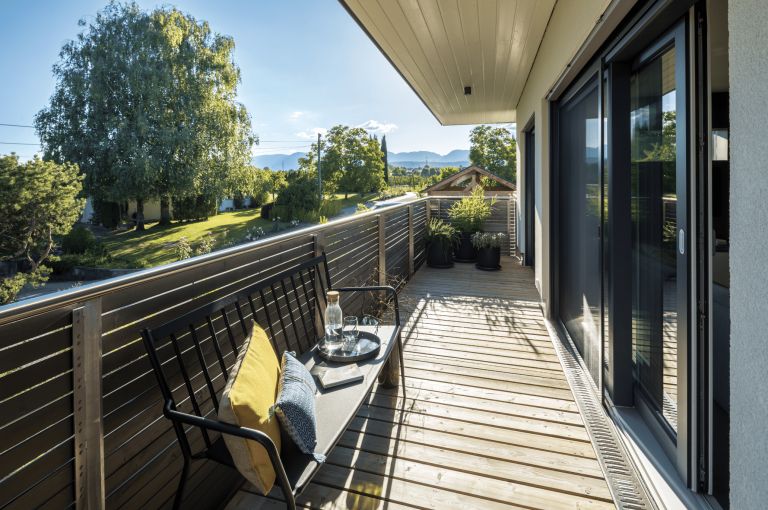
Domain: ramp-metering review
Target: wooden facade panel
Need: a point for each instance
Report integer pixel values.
(55, 491)
(35, 398)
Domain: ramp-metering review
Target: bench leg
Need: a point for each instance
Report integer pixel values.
(402, 363)
(389, 375)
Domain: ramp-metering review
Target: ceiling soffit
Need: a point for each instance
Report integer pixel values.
(442, 46)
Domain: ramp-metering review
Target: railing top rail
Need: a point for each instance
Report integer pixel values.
(34, 306)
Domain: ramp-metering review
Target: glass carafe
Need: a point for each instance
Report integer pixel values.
(333, 323)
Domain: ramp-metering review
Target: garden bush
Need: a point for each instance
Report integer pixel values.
(78, 240)
(260, 198)
(97, 256)
(197, 207)
(300, 196)
(110, 214)
(266, 209)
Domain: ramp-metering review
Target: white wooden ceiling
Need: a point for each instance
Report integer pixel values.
(442, 46)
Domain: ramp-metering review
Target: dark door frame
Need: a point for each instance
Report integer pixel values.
(530, 193)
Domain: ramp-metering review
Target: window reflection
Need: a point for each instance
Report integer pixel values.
(654, 233)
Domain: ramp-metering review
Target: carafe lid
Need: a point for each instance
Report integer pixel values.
(333, 295)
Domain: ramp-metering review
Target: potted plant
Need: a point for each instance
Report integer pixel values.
(488, 247)
(439, 241)
(469, 216)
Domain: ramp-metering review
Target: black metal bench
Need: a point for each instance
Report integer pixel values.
(185, 348)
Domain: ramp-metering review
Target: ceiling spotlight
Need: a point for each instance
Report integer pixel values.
(467, 91)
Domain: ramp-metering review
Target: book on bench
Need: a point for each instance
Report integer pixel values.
(341, 375)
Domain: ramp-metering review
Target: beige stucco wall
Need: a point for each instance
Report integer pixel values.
(748, 51)
(568, 28)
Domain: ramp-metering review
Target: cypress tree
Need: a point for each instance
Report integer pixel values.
(384, 159)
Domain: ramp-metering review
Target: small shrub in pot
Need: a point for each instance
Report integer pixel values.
(488, 247)
(439, 240)
(468, 216)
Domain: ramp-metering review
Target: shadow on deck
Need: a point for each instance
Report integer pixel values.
(489, 420)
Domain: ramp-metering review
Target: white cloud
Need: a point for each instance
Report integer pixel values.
(296, 115)
(373, 125)
(312, 133)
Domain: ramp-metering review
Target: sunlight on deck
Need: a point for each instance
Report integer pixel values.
(489, 420)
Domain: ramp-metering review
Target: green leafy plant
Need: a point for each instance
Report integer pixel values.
(362, 208)
(441, 232)
(470, 213)
(183, 250)
(78, 240)
(487, 240)
(323, 220)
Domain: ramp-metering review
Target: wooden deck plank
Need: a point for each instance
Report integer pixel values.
(489, 420)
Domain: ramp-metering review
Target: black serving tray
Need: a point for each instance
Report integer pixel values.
(370, 346)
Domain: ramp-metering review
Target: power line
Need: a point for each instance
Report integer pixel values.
(18, 143)
(260, 141)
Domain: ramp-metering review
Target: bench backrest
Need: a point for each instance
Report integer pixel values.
(204, 342)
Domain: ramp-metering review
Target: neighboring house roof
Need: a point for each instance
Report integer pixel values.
(449, 186)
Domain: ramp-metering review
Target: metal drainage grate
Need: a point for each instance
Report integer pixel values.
(628, 491)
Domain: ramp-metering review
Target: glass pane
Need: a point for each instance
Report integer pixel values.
(579, 257)
(719, 145)
(654, 233)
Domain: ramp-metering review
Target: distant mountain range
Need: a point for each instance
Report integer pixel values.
(415, 159)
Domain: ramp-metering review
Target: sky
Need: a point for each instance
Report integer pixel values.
(306, 66)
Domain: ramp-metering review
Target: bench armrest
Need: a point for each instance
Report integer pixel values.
(382, 287)
(246, 433)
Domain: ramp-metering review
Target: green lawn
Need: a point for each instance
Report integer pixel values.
(156, 244)
(153, 243)
(355, 199)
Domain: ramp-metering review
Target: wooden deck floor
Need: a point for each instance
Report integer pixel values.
(489, 420)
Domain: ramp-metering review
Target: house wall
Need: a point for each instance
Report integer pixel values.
(748, 51)
(151, 210)
(569, 26)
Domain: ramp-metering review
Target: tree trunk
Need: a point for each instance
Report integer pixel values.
(346, 195)
(139, 214)
(165, 209)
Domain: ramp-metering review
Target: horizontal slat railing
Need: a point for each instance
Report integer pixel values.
(51, 427)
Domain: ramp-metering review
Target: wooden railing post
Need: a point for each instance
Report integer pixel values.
(88, 411)
(319, 310)
(382, 252)
(429, 209)
(410, 242)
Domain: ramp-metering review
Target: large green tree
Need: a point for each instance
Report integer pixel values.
(38, 200)
(351, 161)
(145, 105)
(495, 150)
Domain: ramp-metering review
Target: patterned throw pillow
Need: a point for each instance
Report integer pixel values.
(295, 407)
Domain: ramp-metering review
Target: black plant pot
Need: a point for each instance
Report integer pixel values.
(489, 259)
(465, 252)
(438, 257)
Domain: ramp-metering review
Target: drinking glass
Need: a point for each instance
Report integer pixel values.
(350, 332)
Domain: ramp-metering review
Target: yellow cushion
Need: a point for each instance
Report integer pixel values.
(251, 390)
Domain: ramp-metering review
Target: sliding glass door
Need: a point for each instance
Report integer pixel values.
(579, 244)
(655, 232)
